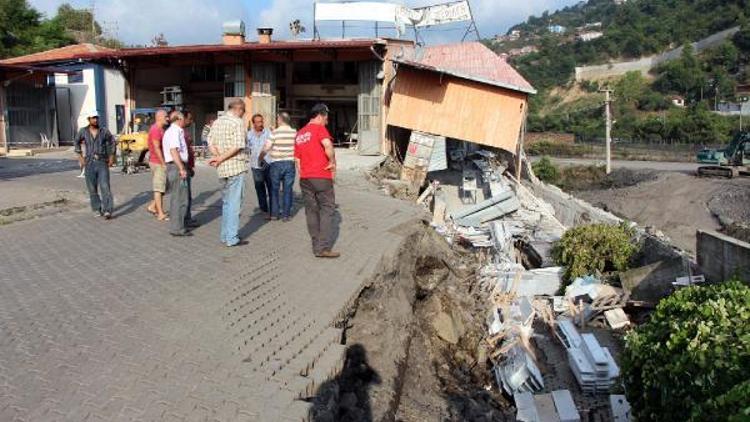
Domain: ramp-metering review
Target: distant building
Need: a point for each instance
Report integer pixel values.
(556, 29)
(512, 36)
(517, 52)
(589, 36)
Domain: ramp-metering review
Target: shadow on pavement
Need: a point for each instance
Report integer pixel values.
(346, 398)
(133, 204)
(13, 168)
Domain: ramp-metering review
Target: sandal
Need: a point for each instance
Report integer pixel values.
(165, 218)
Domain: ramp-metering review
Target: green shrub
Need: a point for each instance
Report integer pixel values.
(594, 249)
(546, 171)
(691, 361)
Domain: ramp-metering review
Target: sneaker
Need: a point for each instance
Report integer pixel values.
(107, 215)
(240, 243)
(82, 175)
(97, 214)
(328, 254)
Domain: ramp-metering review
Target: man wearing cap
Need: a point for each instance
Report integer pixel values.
(175, 150)
(99, 145)
(316, 165)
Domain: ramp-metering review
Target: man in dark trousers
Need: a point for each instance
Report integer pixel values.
(99, 155)
(316, 165)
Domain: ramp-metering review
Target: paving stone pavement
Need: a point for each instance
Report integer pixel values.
(117, 321)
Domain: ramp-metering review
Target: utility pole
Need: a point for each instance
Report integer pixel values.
(608, 122)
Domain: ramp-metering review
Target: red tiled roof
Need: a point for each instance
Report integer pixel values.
(471, 60)
(69, 52)
(92, 52)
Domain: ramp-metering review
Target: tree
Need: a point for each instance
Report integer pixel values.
(23, 31)
(159, 40)
(689, 362)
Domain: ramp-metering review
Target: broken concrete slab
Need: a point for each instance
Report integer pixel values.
(722, 257)
(565, 406)
(525, 408)
(545, 405)
(653, 282)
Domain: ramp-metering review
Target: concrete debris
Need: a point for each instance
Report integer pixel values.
(539, 282)
(617, 318)
(518, 373)
(525, 408)
(566, 407)
(653, 282)
(620, 408)
(488, 210)
(593, 366)
(557, 406)
(478, 237)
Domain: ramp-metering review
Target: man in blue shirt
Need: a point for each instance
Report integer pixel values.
(99, 150)
(256, 141)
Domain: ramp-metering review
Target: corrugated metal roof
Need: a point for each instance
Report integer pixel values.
(58, 54)
(470, 60)
(68, 54)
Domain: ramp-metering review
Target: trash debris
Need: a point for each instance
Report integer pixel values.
(518, 373)
(620, 408)
(688, 281)
(593, 366)
(617, 318)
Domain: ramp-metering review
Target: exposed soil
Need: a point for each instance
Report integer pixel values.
(586, 178)
(414, 342)
(678, 204)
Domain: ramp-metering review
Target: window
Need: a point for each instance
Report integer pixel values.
(234, 81)
(75, 77)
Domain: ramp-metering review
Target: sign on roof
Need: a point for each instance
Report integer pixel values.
(458, 11)
(442, 14)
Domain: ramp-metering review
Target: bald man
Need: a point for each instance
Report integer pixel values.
(158, 165)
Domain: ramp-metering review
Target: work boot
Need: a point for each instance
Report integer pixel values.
(328, 254)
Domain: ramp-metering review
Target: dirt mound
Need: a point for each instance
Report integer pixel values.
(415, 343)
(731, 205)
(586, 178)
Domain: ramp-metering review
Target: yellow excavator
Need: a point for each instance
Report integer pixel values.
(133, 146)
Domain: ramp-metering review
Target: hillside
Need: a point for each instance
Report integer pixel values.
(602, 31)
(630, 30)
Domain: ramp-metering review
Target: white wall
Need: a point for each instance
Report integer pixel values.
(114, 88)
(82, 97)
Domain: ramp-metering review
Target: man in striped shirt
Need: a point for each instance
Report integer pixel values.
(279, 149)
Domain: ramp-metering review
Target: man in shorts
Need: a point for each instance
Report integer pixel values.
(158, 165)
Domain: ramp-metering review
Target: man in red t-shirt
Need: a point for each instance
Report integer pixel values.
(157, 164)
(316, 165)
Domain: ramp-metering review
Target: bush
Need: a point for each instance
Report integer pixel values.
(594, 249)
(546, 171)
(691, 360)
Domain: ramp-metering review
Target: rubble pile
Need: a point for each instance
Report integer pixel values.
(514, 232)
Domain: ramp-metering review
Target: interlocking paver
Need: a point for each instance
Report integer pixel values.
(117, 321)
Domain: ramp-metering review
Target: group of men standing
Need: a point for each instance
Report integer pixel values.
(274, 157)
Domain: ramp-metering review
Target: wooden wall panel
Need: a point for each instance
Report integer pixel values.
(457, 108)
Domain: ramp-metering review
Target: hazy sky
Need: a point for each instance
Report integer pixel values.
(199, 21)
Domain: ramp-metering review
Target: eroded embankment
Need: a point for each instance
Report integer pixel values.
(414, 342)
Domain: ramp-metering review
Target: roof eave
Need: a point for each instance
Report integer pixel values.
(530, 91)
